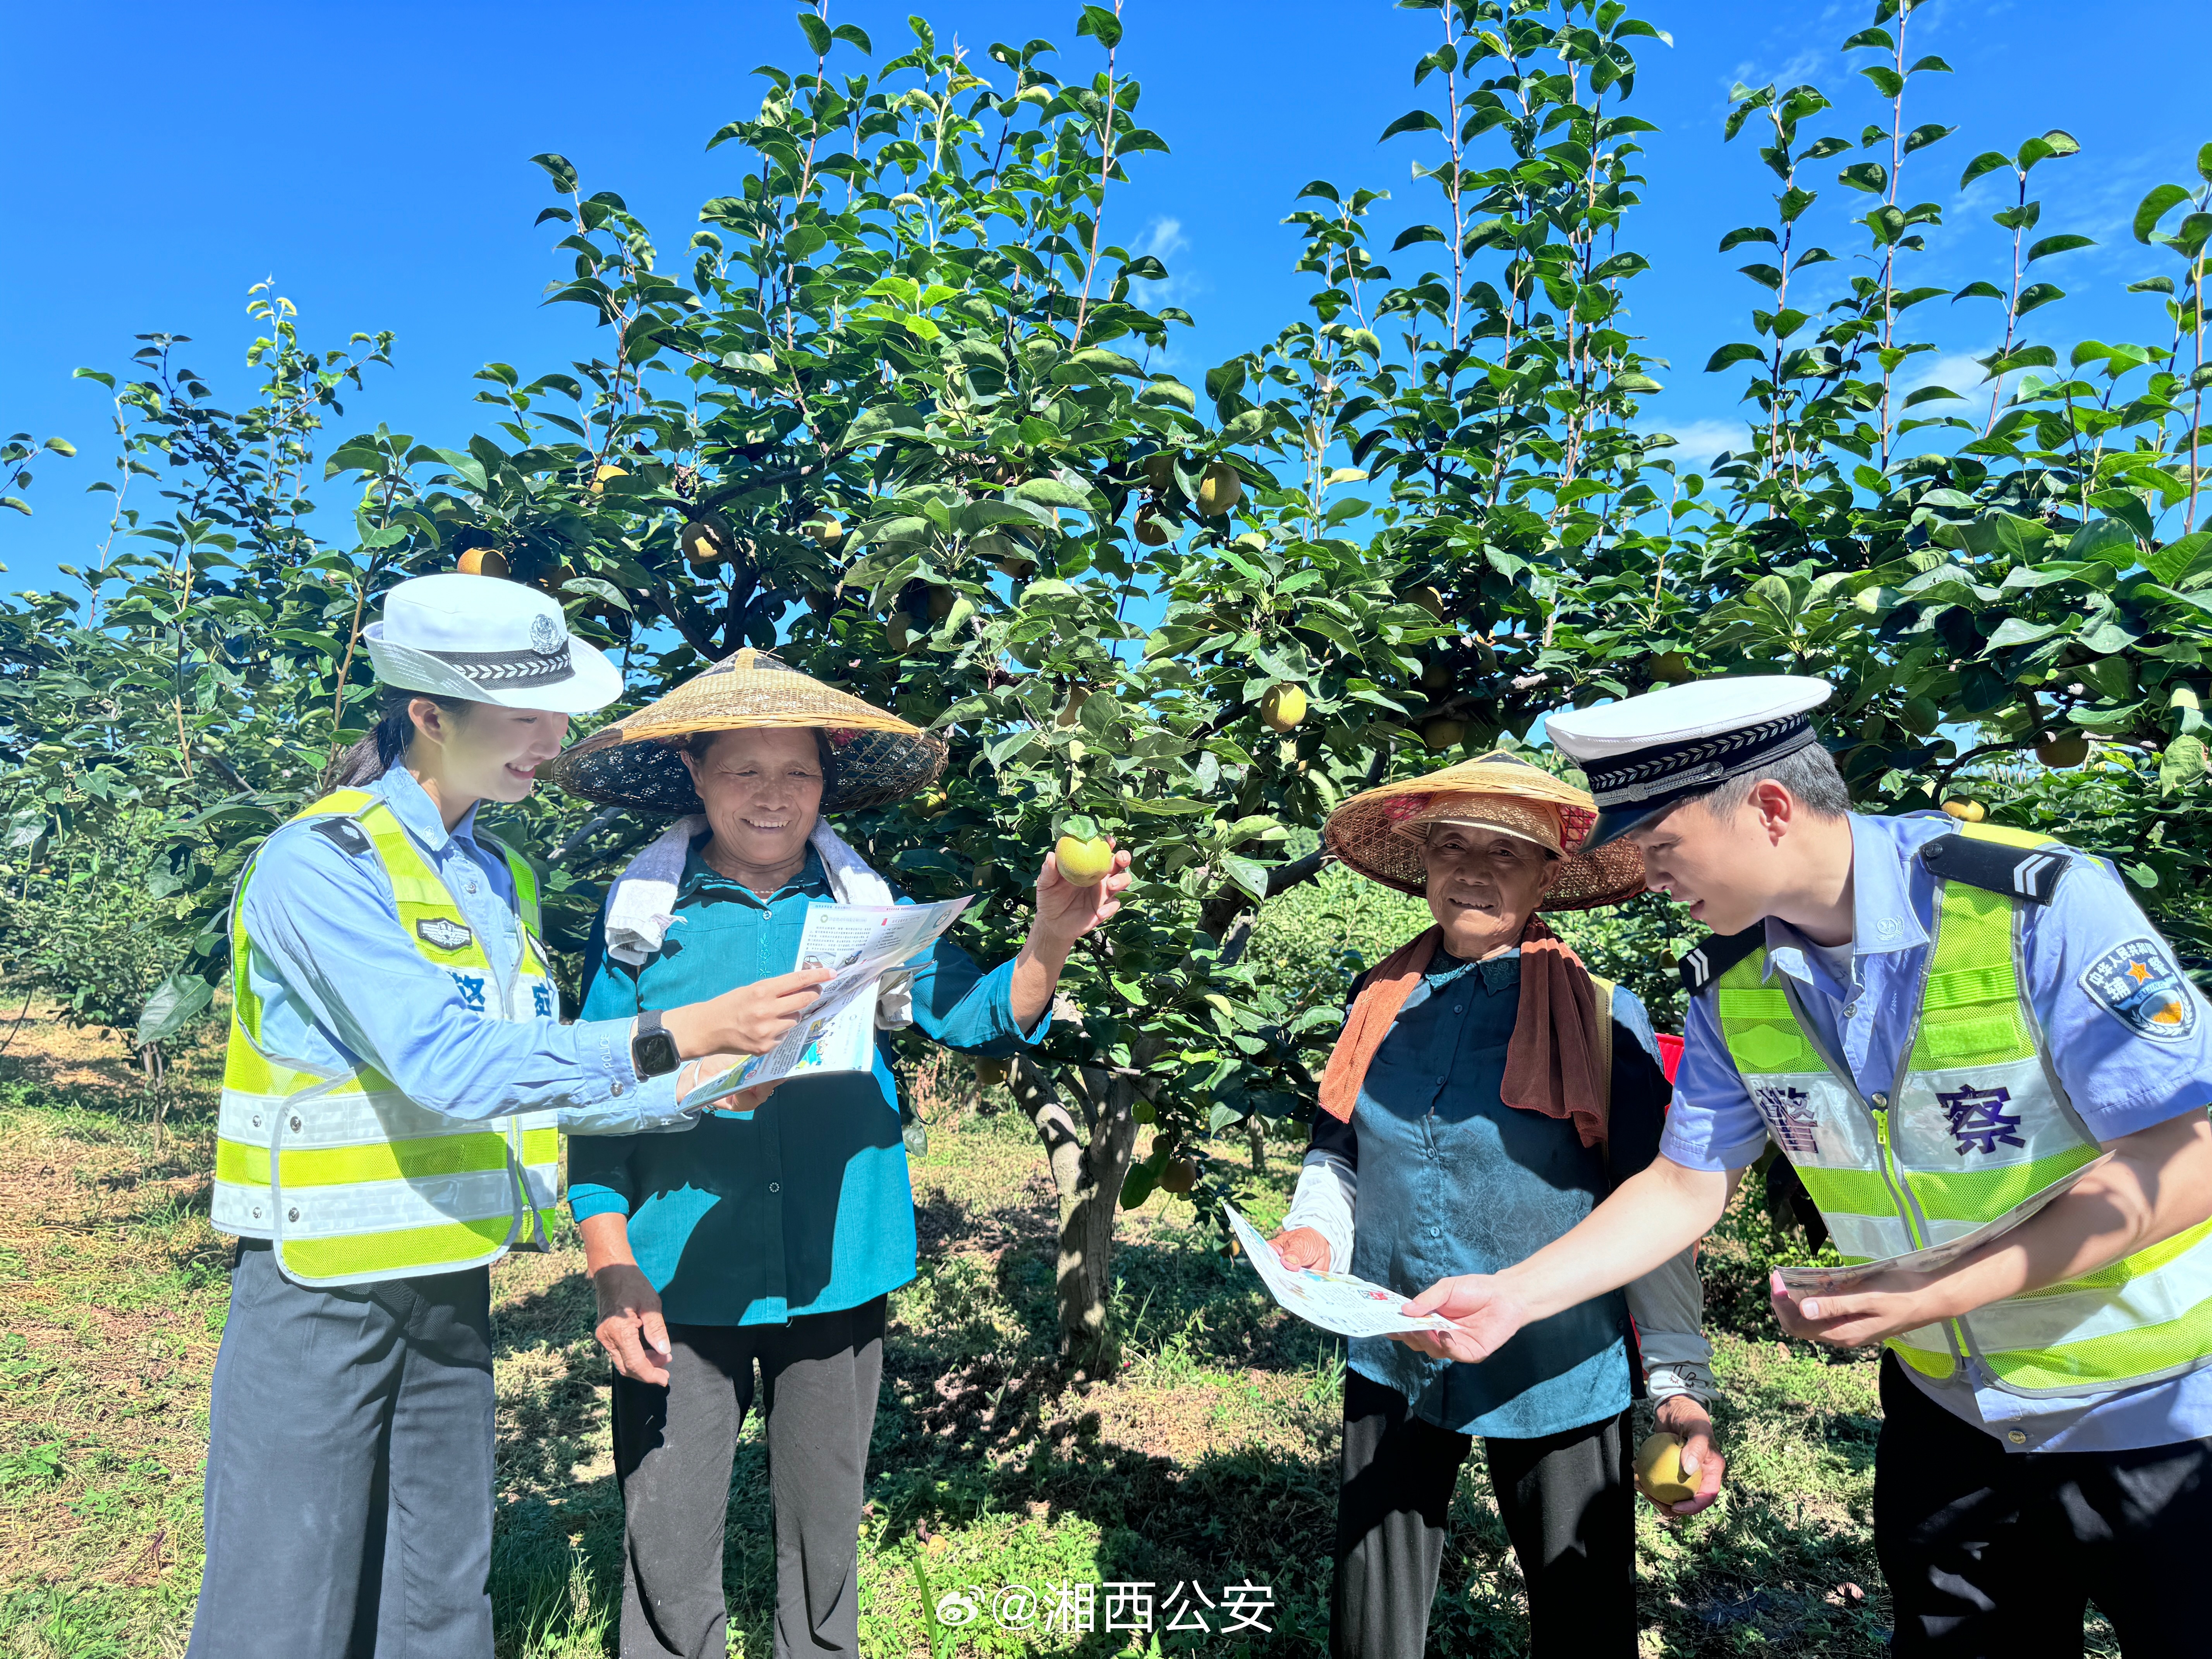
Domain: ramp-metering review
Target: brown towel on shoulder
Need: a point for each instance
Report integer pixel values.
(1551, 1063)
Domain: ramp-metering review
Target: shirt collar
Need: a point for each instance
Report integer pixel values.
(813, 879)
(1883, 918)
(417, 813)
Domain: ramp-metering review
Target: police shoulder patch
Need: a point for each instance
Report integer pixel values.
(1717, 954)
(446, 935)
(348, 836)
(2021, 872)
(2140, 985)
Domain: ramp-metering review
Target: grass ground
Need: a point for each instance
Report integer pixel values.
(1208, 1458)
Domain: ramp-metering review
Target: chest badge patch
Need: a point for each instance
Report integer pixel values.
(446, 935)
(2138, 984)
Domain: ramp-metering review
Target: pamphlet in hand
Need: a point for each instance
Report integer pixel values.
(1335, 1302)
(864, 945)
(1827, 1281)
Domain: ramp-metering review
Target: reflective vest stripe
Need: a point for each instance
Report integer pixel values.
(353, 1181)
(396, 1160)
(363, 1258)
(1976, 1122)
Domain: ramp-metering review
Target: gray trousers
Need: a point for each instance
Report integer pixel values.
(673, 1450)
(1568, 1502)
(350, 1470)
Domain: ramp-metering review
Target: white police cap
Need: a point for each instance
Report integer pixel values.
(489, 640)
(1643, 755)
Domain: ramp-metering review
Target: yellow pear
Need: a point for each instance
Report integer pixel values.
(1659, 1469)
(826, 531)
(1154, 530)
(1967, 811)
(2062, 754)
(898, 634)
(599, 478)
(1219, 489)
(941, 601)
(705, 540)
(1671, 668)
(1084, 863)
(1283, 708)
(1180, 1176)
(1429, 600)
(1071, 710)
(483, 561)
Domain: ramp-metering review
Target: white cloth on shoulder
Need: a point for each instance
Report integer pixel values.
(641, 908)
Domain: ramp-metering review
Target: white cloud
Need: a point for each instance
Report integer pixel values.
(1697, 442)
(1163, 239)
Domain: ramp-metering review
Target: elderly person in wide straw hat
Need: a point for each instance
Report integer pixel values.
(775, 1237)
(1486, 1093)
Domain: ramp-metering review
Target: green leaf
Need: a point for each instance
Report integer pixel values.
(1921, 136)
(2155, 207)
(2034, 294)
(818, 37)
(1620, 264)
(1249, 874)
(1100, 24)
(177, 1001)
(1738, 353)
(2106, 541)
(2059, 245)
(2176, 559)
(1978, 291)
(560, 170)
(1415, 120)
(2182, 764)
(1990, 160)
(1052, 492)
(1414, 233)
(1870, 176)
(1744, 234)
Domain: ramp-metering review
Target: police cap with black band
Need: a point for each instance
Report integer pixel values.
(1642, 755)
(486, 640)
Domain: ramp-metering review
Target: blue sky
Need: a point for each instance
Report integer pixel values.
(162, 159)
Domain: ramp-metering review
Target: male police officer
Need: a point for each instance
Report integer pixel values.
(1932, 1023)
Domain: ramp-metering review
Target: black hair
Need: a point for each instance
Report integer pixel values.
(1810, 774)
(365, 762)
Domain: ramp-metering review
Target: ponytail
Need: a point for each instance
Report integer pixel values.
(364, 762)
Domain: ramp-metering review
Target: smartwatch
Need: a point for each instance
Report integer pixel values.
(652, 1050)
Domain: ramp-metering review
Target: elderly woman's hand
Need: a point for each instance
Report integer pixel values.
(1065, 912)
(1301, 1247)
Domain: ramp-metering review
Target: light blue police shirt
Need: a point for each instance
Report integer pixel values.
(341, 984)
(2118, 1079)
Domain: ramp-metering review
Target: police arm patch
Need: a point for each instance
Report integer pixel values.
(2140, 985)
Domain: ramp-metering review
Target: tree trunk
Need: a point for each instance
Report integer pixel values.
(1089, 1158)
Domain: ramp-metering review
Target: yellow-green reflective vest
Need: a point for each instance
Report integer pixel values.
(1976, 1120)
(349, 1180)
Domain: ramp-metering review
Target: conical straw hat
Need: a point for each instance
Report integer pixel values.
(636, 761)
(1380, 833)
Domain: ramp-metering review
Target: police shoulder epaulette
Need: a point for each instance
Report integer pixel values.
(348, 836)
(1719, 953)
(2023, 873)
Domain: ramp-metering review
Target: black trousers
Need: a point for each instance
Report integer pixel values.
(1568, 1501)
(1994, 1552)
(350, 1470)
(673, 1449)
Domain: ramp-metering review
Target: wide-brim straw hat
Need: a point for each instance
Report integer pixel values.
(637, 761)
(1380, 833)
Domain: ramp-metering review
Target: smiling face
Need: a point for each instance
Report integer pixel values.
(486, 752)
(1483, 886)
(762, 792)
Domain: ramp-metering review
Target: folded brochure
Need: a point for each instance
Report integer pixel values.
(865, 944)
(1827, 1281)
(1335, 1302)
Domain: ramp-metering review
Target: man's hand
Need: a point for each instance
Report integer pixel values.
(1482, 1307)
(631, 1328)
(750, 1020)
(1880, 1306)
(1301, 1247)
(1679, 1414)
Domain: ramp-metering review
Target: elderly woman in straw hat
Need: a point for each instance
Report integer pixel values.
(775, 1238)
(1486, 1093)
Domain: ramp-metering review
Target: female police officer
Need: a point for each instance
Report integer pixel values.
(396, 1080)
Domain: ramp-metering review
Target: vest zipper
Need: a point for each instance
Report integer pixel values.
(1893, 1177)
